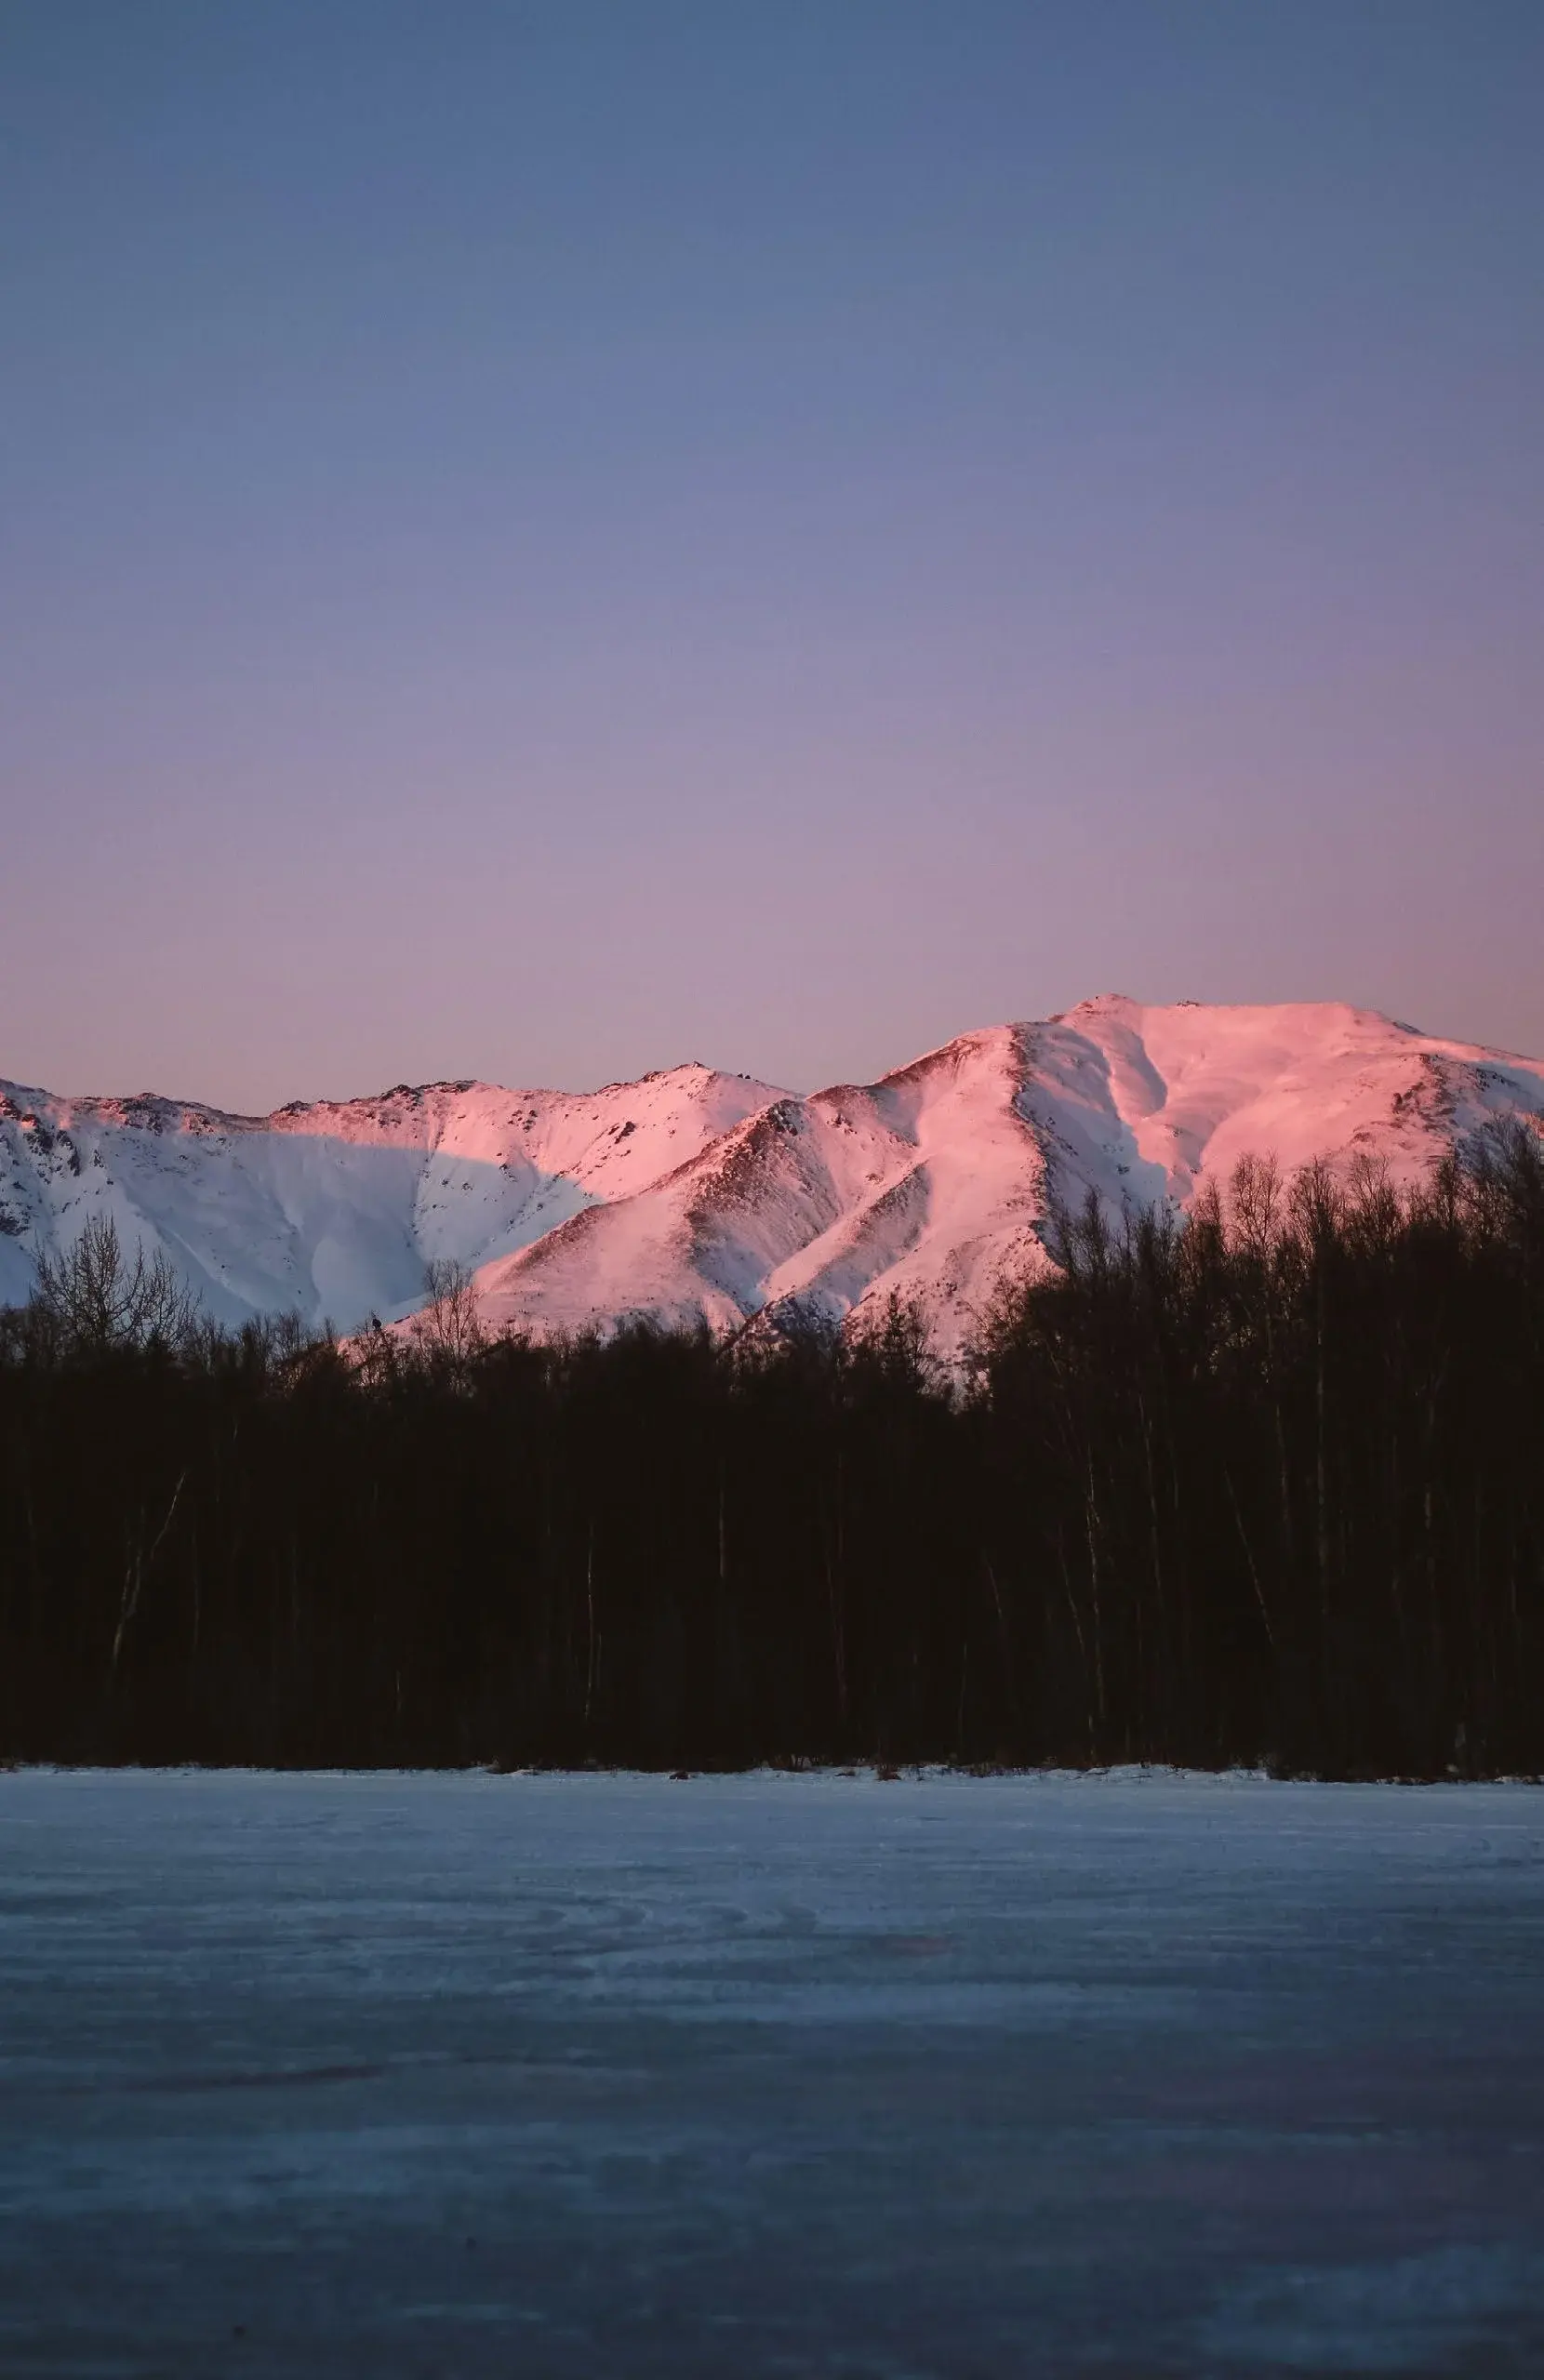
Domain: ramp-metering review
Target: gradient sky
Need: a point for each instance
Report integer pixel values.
(544, 540)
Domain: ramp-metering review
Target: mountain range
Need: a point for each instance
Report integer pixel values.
(696, 1196)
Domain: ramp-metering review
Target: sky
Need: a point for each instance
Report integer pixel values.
(540, 541)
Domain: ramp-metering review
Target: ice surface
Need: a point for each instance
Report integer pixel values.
(622, 2075)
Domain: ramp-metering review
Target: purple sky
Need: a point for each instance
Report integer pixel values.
(544, 540)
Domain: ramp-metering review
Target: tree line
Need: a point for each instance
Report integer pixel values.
(1261, 1485)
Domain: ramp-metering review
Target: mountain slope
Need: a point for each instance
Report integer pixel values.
(333, 1209)
(692, 1196)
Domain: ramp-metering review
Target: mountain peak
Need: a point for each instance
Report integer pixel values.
(691, 1195)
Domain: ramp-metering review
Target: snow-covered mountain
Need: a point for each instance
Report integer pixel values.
(693, 1195)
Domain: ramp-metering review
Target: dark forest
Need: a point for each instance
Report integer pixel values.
(1262, 1485)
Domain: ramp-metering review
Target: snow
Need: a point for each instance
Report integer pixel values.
(693, 1196)
(812, 2074)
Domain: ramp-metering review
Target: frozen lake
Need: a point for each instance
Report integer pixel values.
(616, 2076)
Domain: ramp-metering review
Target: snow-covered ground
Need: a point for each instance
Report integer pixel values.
(618, 2076)
(693, 1196)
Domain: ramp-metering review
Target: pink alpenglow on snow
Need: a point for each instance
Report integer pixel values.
(692, 1197)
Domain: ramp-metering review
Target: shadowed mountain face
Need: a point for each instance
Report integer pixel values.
(692, 1196)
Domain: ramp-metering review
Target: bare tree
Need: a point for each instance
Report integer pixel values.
(449, 1331)
(1256, 1200)
(95, 1296)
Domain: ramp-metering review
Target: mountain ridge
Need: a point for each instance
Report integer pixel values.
(693, 1196)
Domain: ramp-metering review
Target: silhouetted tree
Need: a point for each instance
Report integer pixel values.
(1257, 1484)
